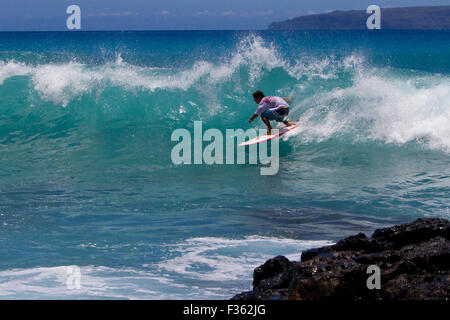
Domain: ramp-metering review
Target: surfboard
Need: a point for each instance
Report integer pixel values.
(266, 137)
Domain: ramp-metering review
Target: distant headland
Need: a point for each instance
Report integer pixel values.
(412, 18)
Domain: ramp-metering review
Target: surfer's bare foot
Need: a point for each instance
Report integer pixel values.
(288, 124)
(269, 132)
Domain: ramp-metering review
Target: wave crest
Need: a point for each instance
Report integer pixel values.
(340, 97)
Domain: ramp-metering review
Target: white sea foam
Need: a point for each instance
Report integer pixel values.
(312, 67)
(384, 108)
(220, 259)
(60, 83)
(95, 281)
(11, 69)
(198, 268)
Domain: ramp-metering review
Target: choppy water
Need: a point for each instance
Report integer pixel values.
(86, 177)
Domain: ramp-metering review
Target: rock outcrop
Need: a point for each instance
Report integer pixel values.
(413, 260)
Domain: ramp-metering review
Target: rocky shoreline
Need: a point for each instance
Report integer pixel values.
(409, 18)
(413, 261)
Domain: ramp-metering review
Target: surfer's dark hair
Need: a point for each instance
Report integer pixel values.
(258, 94)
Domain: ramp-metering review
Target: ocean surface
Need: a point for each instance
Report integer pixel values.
(87, 181)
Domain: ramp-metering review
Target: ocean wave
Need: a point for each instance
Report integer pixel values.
(60, 83)
(221, 259)
(334, 97)
(95, 281)
(385, 108)
(198, 268)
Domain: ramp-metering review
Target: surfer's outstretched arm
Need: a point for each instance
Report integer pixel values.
(253, 118)
(287, 99)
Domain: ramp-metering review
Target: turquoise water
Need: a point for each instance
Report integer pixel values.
(86, 177)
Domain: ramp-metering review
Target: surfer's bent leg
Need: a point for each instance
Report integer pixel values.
(282, 114)
(267, 123)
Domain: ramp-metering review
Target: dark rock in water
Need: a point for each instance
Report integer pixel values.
(413, 259)
(273, 266)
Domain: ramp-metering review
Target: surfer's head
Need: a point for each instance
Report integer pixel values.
(258, 96)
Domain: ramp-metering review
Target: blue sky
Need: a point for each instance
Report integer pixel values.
(174, 14)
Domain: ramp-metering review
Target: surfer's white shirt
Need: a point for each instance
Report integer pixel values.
(270, 103)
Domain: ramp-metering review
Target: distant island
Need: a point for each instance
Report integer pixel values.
(412, 18)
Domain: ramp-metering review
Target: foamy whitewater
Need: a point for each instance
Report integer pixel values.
(87, 180)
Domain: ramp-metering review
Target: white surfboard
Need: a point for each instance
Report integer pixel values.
(266, 137)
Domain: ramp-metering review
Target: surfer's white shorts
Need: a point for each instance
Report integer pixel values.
(278, 114)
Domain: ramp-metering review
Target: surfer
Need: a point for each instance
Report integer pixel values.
(271, 108)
